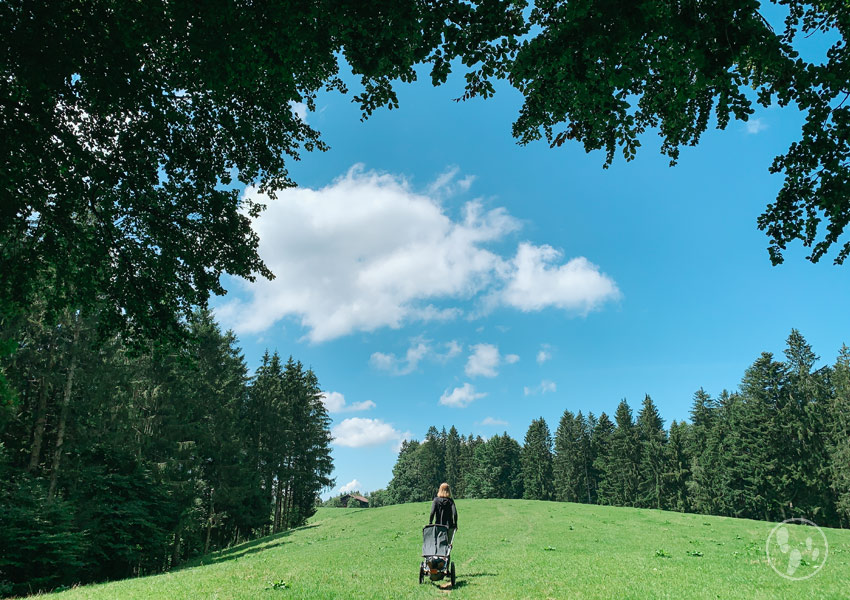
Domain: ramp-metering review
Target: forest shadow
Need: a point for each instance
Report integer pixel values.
(260, 544)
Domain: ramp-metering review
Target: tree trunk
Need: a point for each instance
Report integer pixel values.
(38, 431)
(210, 519)
(267, 527)
(278, 506)
(175, 552)
(209, 532)
(63, 418)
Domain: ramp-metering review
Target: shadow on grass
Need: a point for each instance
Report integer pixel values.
(462, 581)
(244, 549)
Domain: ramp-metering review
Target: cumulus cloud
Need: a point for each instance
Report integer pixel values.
(544, 354)
(357, 432)
(485, 359)
(493, 422)
(536, 282)
(335, 403)
(351, 486)
(544, 387)
(368, 251)
(362, 253)
(419, 350)
(461, 397)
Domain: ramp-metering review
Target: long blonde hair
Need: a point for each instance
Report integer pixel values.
(445, 491)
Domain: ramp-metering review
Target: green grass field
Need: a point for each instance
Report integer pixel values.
(504, 549)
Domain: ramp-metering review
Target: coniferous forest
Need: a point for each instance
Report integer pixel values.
(778, 447)
(119, 458)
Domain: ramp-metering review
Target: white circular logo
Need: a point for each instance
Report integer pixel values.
(796, 552)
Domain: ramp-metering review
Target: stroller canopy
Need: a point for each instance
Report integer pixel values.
(435, 540)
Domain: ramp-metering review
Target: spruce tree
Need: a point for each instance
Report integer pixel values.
(622, 471)
(677, 471)
(839, 430)
(563, 461)
(653, 440)
(803, 420)
(433, 462)
(760, 467)
(453, 460)
(406, 484)
(703, 449)
(603, 466)
(497, 470)
(537, 462)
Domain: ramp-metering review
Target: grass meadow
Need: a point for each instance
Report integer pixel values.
(504, 549)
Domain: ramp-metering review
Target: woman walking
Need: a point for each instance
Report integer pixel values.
(443, 509)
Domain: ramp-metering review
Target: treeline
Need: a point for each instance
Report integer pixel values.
(777, 448)
(117, 460)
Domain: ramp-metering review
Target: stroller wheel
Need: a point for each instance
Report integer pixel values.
(452, 573)
(421, 574)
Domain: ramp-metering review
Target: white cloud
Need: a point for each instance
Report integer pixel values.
(351, 486)
(447, 183)
(460, 397)
(494, 422)
(544, 354)
(335, 403)
(452, 350)
(535, 283)
(484, 360)
(755, 126)
(362, 253)
(419, 350)
(357, 432)
(400, 366)
(544, 387)
(367, 251)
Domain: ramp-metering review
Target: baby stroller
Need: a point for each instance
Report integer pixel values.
(436, 552)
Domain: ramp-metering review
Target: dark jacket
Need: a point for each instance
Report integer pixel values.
(445, 512)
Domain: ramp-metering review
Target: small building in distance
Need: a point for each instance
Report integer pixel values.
(362, 502)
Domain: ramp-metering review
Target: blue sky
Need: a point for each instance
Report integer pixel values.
(432, 272)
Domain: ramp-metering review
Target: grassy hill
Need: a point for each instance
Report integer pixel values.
(504, 549)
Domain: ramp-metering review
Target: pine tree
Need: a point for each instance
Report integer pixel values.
(603, 435)
(677, 471)
(703, 442)
(564, 463)
(453, 460)
(467, 464)
(497, 469)
(536, 461)
(406, 484)
(433, 462)
(653, 440)
(839, 446)
(572, 464)
(803, 416)
(621, 469)
(760, 467)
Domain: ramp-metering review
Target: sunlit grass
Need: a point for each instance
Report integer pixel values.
(503, 549)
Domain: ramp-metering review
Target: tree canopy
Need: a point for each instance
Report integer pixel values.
(124, 127)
